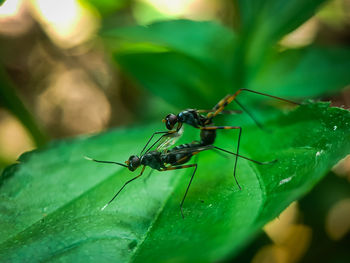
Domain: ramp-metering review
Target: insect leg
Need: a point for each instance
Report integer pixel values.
(238, 143)
(229, 98)
(148, 176)
(188, 186)
(219, 107)
(250, 115)
(164, 134)
(143, 168)
(220, 153)
(268, 95)
(233, 112)
(243, 157)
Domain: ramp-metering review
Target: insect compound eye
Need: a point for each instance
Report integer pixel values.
(134, 162)
(170, 121)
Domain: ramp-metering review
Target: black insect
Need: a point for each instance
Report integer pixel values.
(172, 159)
(197, 120)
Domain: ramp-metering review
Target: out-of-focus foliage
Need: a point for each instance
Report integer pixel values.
(306, 72)
(193, 59)
(316, 215)
(107, 7)
(329, 244)
(10, 100)
(196, 57)
(263, 23)
(56, 64)
(144, 224)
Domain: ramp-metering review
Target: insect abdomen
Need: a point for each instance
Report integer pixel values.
(208, 137)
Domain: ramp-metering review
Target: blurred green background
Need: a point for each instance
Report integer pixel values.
(60, 78)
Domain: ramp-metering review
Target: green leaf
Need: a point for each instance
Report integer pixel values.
(263, 23)
(207, 42)
(50, 202)
(175, 78)
(272, 19)
(176, 58)
(308, 72)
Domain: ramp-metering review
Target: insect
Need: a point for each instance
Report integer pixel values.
(172, 159)
(197, 120)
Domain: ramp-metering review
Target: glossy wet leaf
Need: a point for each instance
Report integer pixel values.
(50, 202)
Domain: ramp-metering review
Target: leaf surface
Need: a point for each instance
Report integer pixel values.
(50, 201)
(307, 72)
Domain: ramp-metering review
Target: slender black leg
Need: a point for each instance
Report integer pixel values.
(163, 132)
(243, 157)
(268, 95)
(250, 115)
(235, 168)
(148, 176)
(238, 144)
(143, 168)
(188, 186)
(220, 153)
(164, 135)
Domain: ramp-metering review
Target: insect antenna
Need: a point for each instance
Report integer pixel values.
(97, 161)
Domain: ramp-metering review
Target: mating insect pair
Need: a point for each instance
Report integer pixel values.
(164, 159)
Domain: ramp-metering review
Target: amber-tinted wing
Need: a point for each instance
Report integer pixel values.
(169, 140)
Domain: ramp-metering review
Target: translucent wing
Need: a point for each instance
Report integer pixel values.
(169, 140)
(230, 112)
(192, 149)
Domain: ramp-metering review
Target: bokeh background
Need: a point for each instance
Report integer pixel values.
(58, 80)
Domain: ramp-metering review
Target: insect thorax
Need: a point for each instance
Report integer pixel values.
(153, 160)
